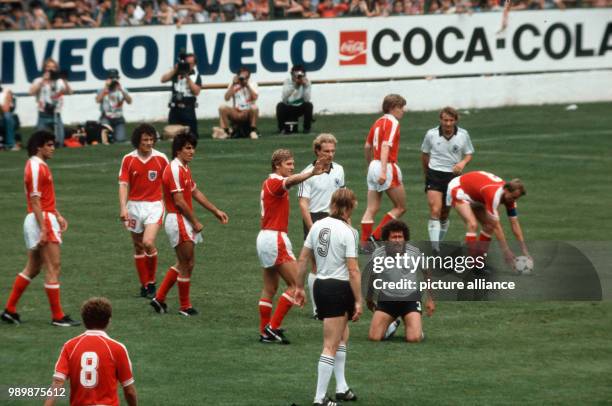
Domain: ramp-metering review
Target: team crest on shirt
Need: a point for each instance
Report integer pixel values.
(337, 181)
(152, 175)
(455, 148)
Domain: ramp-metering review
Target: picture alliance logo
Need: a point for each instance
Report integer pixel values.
(353, 47)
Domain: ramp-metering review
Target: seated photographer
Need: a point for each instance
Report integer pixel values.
(186, 86)
(242, 113)
(295, 102)
(49, 91)
(7, 120)
(111, 99)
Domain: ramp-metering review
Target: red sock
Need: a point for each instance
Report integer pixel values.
(19, 286)
(265, 312)
(484, 240)
(152, 266)
(53, 294)
(167, 284)
(470, 241)
(366, 231)
(142, 268)
(378, 232)
(183, 288)
(282, 308)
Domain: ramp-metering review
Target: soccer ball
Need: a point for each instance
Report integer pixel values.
(523, 265)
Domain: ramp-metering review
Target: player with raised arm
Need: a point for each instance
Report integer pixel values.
(273, 245)
(391, 305)
(333, 244)
(141, 207)
(314, 194)
(94, 363)
(384, 174)
(182, 225)
(43, 228)
(446, 150)
(476, 196)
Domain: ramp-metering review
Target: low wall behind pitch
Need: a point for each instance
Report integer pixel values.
(366, 97)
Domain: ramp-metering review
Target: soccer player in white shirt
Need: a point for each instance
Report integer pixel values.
(446, 150)
(314, 194)
(333, 244)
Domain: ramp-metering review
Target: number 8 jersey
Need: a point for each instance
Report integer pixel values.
(94, 363)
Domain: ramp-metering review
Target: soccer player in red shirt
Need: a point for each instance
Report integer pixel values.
(384, 174)
(476, 196)
(273, 245)
(140, 202)
(182, 225)
(94, 362)
(43, 228)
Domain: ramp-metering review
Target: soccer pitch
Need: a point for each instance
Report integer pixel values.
(474, 353)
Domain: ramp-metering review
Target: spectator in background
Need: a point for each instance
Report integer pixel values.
(166, 14)
(40, 21)
(188, 11)
(19, 19)
(413, 7)
(111, 99)
(244, 14)
(229, 9)
(328, 9)
(398, 8)
(356, 8)
(295, 101)
(128, 15)
(149, 18)
(49, 91)
(308, 10)
(262, 9)
(7, 106)
(383, 8)
(242, 112)
(104, 13)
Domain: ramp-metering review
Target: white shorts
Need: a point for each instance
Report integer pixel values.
(143, 213)
(273, 248)
(31, 230)
(179, 230)
(394, 176)
(455, 194)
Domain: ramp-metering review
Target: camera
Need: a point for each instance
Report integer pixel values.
(183, 67)
(112, 86)
(242, 79)
(54, 75)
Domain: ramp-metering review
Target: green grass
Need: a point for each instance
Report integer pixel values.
(475, 353)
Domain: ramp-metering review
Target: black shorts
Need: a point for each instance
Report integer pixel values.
(333, 298)
(315, 217)
(399, 309)
(437, 180)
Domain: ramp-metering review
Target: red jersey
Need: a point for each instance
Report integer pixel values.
(39, 182)
(143, 176)
(385, 130)
(274, 204)
(486, 189)
(177, 179)
(94, 363)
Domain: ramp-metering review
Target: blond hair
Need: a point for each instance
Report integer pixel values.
(279, 156)
(514, 185)
(450, 111)
(322, 139)
(343, 201)
(392, 101)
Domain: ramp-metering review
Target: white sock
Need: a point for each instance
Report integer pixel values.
(311, 280)
(391, 329)
(443, 229)
(341, 385)
(326, 367)
(433, 226)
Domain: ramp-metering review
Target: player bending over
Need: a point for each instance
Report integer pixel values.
(393, 304)
(182, 225)
(273, 245)
(333, 244)
(476, 196)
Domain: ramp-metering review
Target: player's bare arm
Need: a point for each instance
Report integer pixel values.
(355, 281)
(518, 234)
(204, 202)
(503, 244)
(459, 166)
(318, 168)
(123, 197)
(305, 257)
(384, 156)
(425, 163)
(166, 77)
(195, 88)
(129, 392)
(182, 206)
(367, 149)
(304, 203)
(57, 384)
(63, 223)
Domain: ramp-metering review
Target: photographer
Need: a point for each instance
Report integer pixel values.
(7, 120)
(49, 91)
(186, 86)
(111, 99)
(295, 100)
(243, 111)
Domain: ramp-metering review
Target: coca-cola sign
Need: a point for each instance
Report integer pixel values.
(353, 47)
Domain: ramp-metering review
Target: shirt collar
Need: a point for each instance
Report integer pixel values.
(331, 166)
(96, 333)
(442, 135)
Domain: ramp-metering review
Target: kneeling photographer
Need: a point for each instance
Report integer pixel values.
(186, 86)
(49, 91)
(111, 99)
(295, 102)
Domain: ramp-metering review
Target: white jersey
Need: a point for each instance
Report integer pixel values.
(332, 242)
(446, 153)
(319, 189)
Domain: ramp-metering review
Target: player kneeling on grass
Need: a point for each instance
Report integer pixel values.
(333, 244)
(476, 196)
(182, 225)
(93, 362)
(393, 304)
(273, 245)
(43, 228)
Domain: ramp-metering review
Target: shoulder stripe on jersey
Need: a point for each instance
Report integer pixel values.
(82, 336)
(35, 168)
(176, 169)
(394, 125)
(107, 347)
